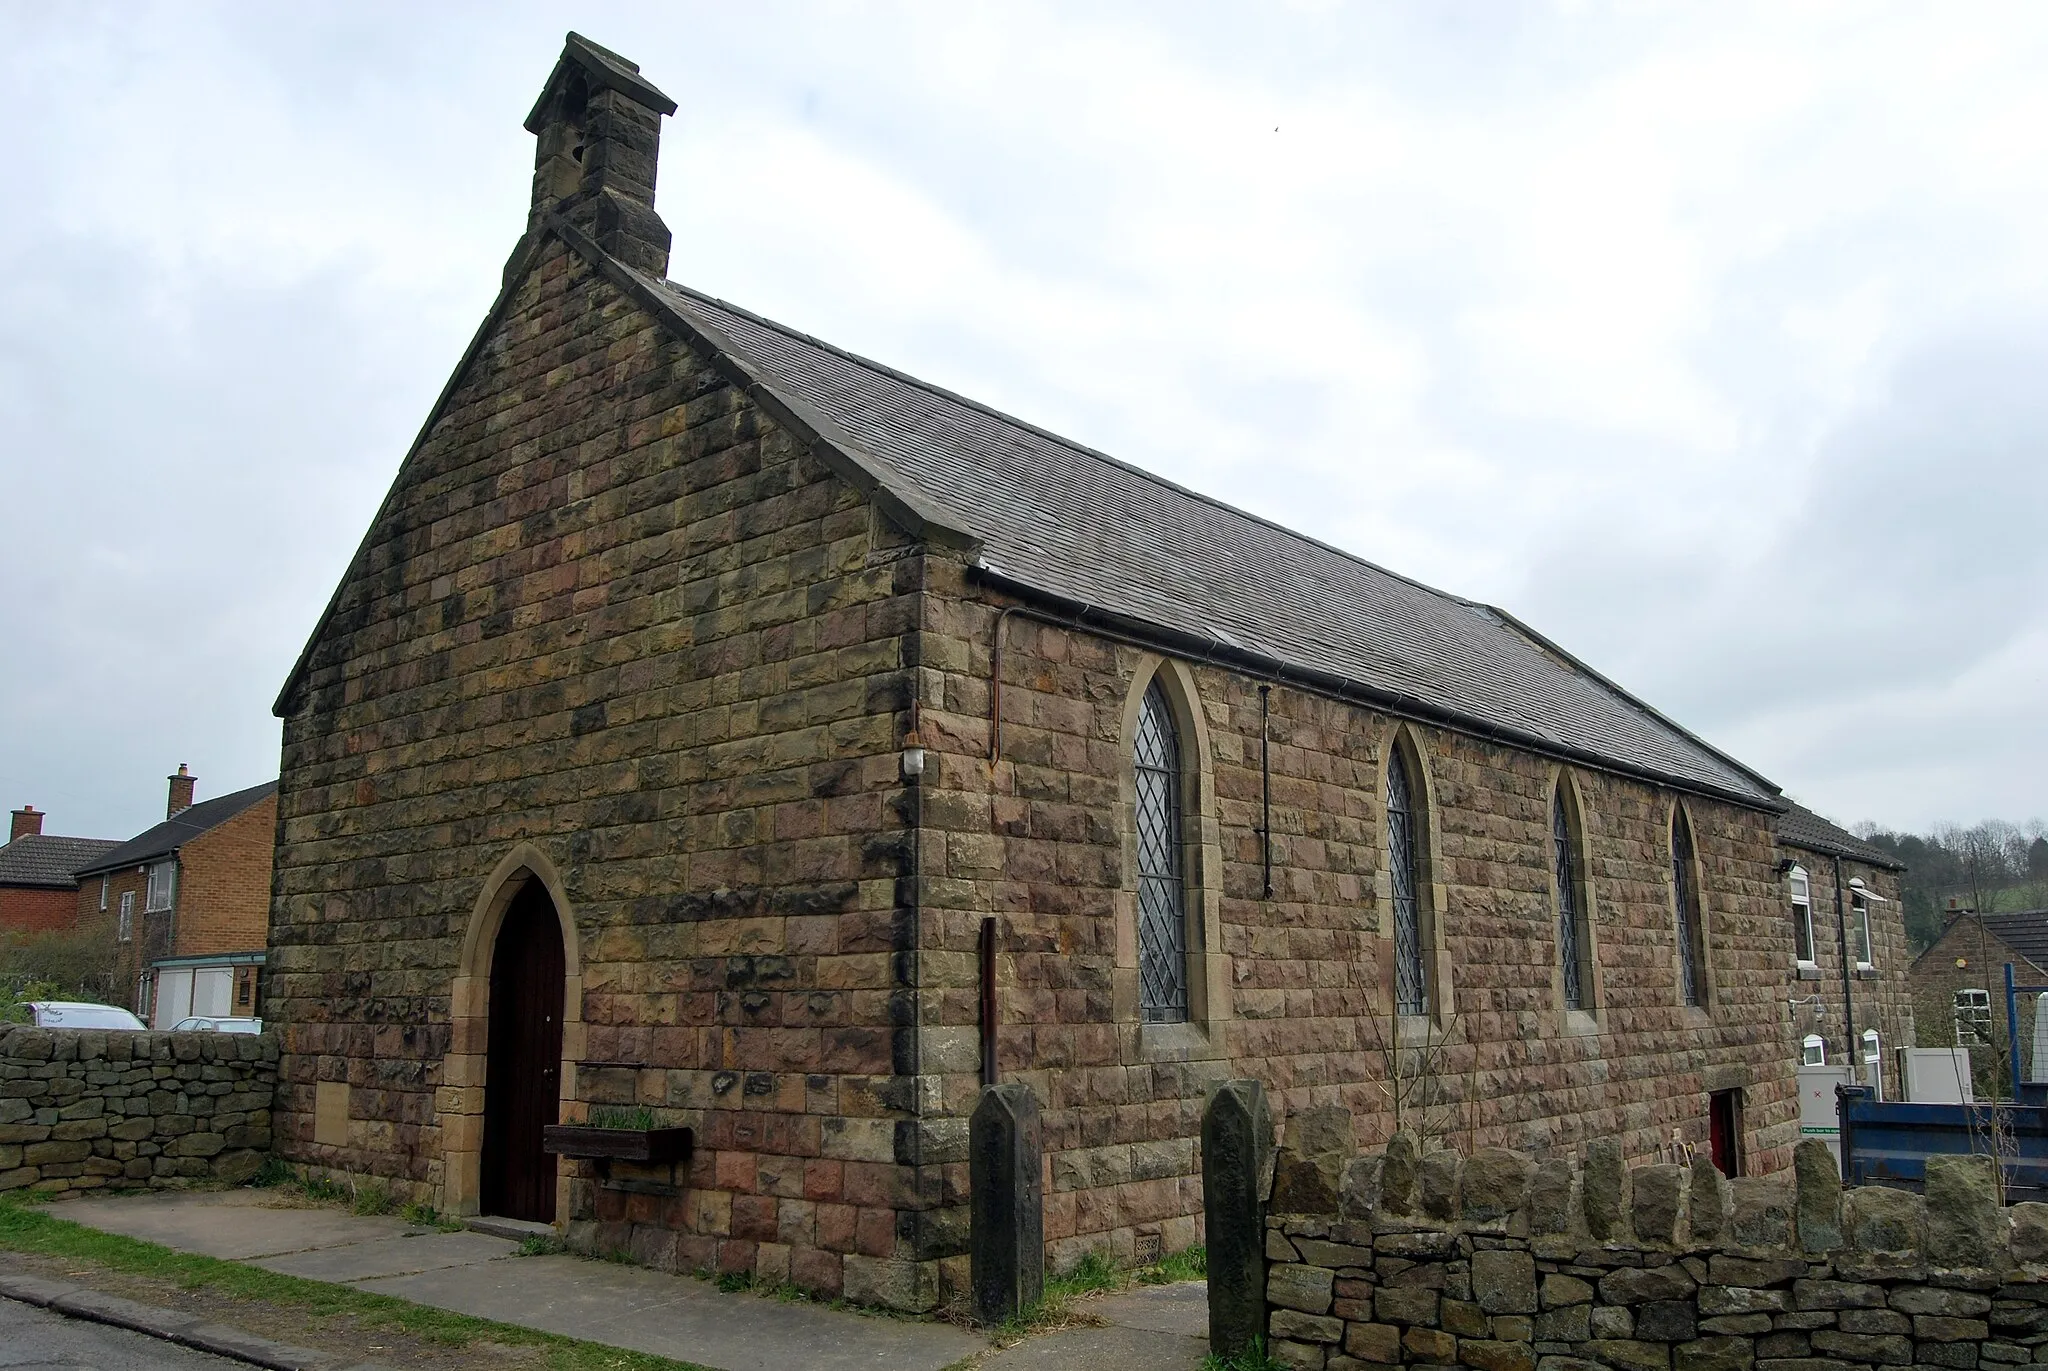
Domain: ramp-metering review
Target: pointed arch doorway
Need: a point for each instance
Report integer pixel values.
(523, 1063)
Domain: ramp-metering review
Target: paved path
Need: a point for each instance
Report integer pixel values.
(1155, 1328)
(479, 1275)
(1151, 1328)
(34, 1339)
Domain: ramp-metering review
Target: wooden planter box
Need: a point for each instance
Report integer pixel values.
(653, 1146)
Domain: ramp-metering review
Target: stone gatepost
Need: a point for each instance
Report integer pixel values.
(1007, 1203)
(1237, 1143)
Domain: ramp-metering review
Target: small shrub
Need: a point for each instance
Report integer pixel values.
(1188, 1264)
(733, 1281)
(1253, 1358)
(541, 1245)
(370, 1197)
(274, 1172)
(638, 1118)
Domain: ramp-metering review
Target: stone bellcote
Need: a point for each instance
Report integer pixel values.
(598, 128)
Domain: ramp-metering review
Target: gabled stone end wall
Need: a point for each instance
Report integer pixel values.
(1498, 1263)
(82, 1109)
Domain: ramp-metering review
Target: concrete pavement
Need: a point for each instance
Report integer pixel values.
(1159, 1328)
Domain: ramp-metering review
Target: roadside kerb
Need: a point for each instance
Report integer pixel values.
(168, 1325)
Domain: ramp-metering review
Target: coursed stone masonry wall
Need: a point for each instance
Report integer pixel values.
(1295, 986)
(1498, 1263)
(614, 617)
(81, 1109)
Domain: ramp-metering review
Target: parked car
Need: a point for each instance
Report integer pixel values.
(75, 1014)
(206, 1025)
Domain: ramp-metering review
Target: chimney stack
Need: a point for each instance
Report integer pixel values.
(598, 127)
(28, 822)
(181, 792)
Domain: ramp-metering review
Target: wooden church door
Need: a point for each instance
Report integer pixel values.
(523, 1075)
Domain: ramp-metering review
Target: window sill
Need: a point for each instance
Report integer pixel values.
(1808, 971)
(1581, 1023)
(1176, 1042)
(1865, 971)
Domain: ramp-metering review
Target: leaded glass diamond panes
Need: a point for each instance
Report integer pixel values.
(1691, 974)
(1162, 908)
(1411, 983)
(1568, 942)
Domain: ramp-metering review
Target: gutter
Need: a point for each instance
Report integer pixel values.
(1098, 622)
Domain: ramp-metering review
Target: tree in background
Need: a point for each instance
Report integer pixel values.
(1994, 867)
(64, 965)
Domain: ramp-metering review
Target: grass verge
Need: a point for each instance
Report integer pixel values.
(27, 1228)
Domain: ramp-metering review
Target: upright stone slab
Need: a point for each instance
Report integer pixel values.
(1237, 1135)
(1006, 1203)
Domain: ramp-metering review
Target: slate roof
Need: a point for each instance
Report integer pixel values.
(2025, 932)
(175, 832)
(1061, 519)
(1802, 828)
(1052, 519)
(47, 861)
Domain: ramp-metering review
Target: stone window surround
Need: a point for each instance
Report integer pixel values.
(1586, 1021)
(1702, 924)
(461, 1098)
(1202, 841)
(1414, 1029)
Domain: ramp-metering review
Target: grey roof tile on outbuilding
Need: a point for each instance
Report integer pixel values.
(176, 831)
(2025, 932)
(46, 861)
(1065, 521)
(1800, 827)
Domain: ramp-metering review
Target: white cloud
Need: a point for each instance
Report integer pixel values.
(1615, 315)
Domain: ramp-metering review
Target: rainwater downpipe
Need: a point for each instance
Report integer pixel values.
(1266, 786)
(1853, 1050)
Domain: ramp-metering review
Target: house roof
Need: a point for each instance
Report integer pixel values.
(1045, 517)
(2025, 932)
(47, 861)
(174, 832)
(1802, 828)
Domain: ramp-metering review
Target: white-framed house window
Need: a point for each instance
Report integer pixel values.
(163, 885)
(1859, 929)
(1973, 1018)
(1813, 1051)
(125, 925)
(1802, 918)
(105, 881)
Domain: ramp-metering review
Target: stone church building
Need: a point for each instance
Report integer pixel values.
(718, 725)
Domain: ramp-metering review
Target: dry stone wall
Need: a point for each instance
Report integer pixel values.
(1500, 1263)
(82, 1109)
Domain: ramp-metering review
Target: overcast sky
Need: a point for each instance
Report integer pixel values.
(1711, 341)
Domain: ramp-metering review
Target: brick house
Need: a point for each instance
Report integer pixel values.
(706, 708)
(187, 903)
(1842, 896)
(1958, 988)
(38, 893)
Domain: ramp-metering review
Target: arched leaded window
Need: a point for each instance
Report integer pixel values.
(1162, 897)
(1571, 904)
(1411, 972)
(1685, 896)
